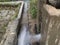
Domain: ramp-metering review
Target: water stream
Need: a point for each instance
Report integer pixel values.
(25, 38)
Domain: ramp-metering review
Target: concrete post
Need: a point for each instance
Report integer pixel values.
(50, 25)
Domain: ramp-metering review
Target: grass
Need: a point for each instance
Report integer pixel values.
(33, 8)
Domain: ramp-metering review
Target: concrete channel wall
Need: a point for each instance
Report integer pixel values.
(50, 25)
(10, 35)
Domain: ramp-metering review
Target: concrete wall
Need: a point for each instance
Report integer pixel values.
(50, 25)
(10, 36)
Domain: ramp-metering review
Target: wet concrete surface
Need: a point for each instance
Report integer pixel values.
(25, 13)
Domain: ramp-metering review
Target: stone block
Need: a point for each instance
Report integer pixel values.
(50, 25)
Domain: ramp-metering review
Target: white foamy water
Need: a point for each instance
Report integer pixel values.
(35, 38)
(22, 35)
(25, 38)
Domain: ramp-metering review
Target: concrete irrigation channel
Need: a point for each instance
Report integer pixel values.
(25, 37)
(10, 18)
(10, 21)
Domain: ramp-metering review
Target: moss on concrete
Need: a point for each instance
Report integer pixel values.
(7, 14)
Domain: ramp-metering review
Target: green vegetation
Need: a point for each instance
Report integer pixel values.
(33, 8)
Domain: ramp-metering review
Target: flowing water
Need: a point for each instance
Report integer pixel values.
(25, 38)
(24, 33)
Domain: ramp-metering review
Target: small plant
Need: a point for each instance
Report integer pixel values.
(33, 8)
(33, 12)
